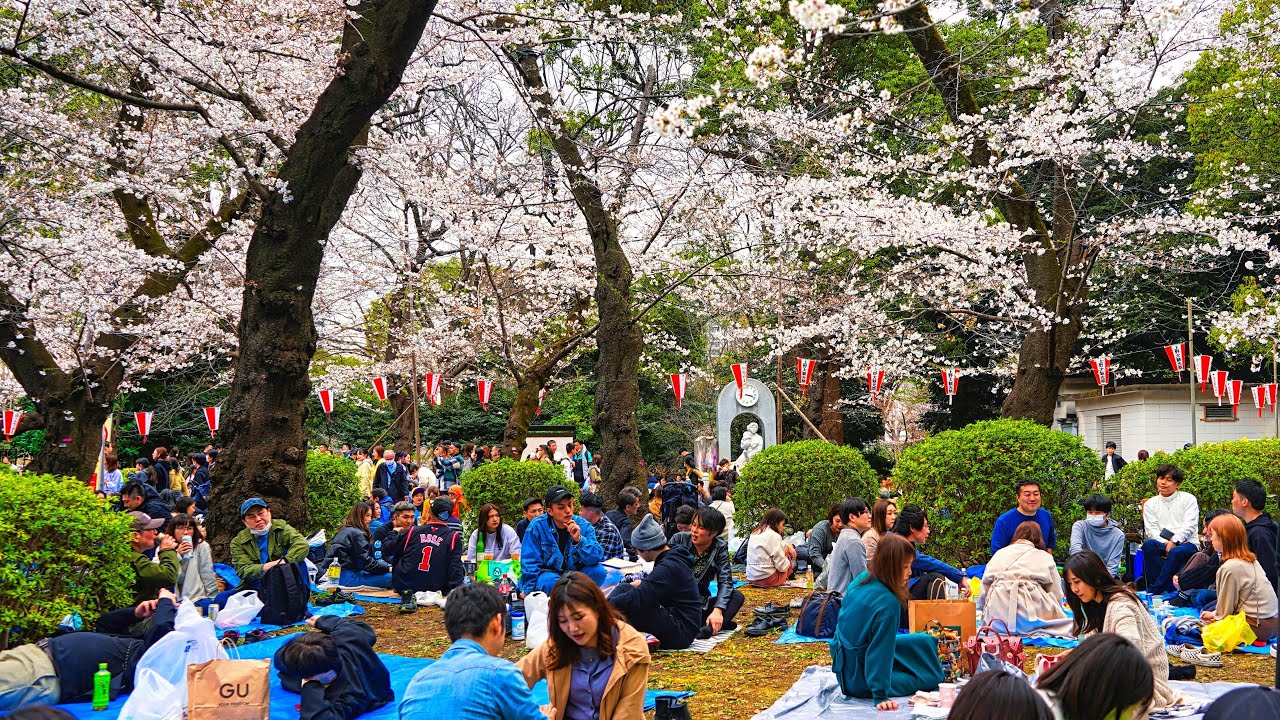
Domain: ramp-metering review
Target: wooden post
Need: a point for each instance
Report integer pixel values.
(806, 420)
(1191, 354)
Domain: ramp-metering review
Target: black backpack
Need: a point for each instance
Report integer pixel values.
(284, 592)
(674, 495)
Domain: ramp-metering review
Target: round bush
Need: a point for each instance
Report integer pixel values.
(1210, 472)
(64, 551)
(332, 488)
(507, 484)
(804, 479)
(966, 478)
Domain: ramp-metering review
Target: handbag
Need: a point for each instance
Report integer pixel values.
(950, 651)
(990, 640)
(818, 615)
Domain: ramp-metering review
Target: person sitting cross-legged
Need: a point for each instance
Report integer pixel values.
(425, 558)
(335, 670)
(471, 680)
(1169, 521)
(1098, 533)
(558, 542)
(264, 543)
(1028, 494)
(665, 603)
(928, 575)
(711, 563)
(1022, 587)
(849, 558)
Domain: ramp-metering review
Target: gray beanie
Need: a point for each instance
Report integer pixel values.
(648, 535)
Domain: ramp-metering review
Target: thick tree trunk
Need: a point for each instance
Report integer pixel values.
(832, 424)
(402, 410)
(522, 412)
(72, 434)
(263, 417)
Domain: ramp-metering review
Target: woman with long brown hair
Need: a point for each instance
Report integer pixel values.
(868, 655)
(196, 577)
(493, 536)
(1242, 583)
(883, 514)
(596, 666)
(353, 550)
(770, 559)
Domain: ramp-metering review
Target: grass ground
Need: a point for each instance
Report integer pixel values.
(736, 680)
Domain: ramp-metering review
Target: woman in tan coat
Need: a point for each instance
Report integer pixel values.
(596, 665)
(1021, 586)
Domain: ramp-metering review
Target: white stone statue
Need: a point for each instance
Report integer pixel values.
(752, 443)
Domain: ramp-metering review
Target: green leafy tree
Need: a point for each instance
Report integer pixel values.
(332, 488)
(63, 552)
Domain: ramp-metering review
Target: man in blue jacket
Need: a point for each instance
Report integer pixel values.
(1028, 493)
(558, 542)
(927, 573)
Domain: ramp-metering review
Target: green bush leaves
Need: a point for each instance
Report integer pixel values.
(507, 484)
(804, 479)
(332, 488)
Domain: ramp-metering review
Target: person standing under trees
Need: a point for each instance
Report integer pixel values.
(364, 472)
(1111, 461)
(112, 480)
(868, 656)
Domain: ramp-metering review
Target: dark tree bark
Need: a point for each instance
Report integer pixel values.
(1058, 278)
(620, 339)
(263, 418)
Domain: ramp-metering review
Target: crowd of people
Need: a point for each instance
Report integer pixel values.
(406, 535)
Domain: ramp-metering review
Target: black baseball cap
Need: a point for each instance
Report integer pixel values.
(555, 494)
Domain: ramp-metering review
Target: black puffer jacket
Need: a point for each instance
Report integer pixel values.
(353, 550)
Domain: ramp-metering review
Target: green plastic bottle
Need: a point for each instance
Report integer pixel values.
(101, 687)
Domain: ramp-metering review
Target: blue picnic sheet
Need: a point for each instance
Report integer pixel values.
(339, 610)
(284, 703)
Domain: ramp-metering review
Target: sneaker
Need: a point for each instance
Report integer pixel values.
(1175, 651)
(764, 624)
(1201, 657)
(796, 603)
(255, 635)
(770, 609)
(407, 602)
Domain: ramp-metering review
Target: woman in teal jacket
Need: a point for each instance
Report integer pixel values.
(868, 655)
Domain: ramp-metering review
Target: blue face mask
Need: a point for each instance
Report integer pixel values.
(260, 533)
(325, 678)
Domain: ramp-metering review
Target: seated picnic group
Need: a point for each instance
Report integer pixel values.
(597, 654)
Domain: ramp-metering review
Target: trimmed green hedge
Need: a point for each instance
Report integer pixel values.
(507, 484)
(965, 479)
(332, 488)
(63, 551)
(804, 479)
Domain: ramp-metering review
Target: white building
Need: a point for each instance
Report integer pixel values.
(1155, 417)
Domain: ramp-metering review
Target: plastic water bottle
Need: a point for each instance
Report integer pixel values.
(953, 591)
(332, 573)
(517, 625)
(101, 687)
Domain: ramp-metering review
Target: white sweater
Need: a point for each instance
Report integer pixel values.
(1179, 514)
(766, 555)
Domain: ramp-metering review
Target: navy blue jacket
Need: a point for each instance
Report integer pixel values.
(363, 683)
(670, 585)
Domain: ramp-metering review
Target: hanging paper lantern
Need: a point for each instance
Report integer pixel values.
(1235, 389)
(950, 383)
(804, 372)
(211, 416)
(326, 400)
(875, 380)
(541, 394)
(1259, 397)
(1203, 363)
(1177, 355)
(677, 386)
(11, 420)
(144, 424)
(1218, 379)
(433, 386)
(485, 388)
(380, 387)
(1102, 372)
(739, 376)
(1271, 396)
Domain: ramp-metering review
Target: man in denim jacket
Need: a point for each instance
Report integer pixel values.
(557, 542)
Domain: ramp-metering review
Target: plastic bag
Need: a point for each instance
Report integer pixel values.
(1227, 634)
(241, 609)
(535, 612)
(990, 661)
(160, 684)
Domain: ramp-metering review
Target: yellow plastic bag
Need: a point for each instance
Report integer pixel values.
(1227, 634)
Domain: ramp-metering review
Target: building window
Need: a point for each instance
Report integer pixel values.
(1109, 431)
(1218, 413)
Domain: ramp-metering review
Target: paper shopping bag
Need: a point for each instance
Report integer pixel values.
(229, 690)
(958, 615)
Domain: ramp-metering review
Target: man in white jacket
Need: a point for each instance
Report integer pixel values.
(1169, 520)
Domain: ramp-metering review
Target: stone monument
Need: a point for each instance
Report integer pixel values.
(756, 400)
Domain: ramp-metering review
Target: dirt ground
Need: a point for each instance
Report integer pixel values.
(736, 680)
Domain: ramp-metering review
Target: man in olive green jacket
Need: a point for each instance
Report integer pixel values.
(262, 545)
(150, 575)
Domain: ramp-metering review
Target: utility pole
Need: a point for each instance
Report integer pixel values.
(413, 385)
(778, 406)
(1191, 376)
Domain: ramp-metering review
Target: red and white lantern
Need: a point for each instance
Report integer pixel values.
(739, 376)
(143, 419)
(433, 381)
(950, 383)
(1271, 396)
(380, 387)
(11, 420)
(1203, 363)
(1218, 378)
(1235, 389)
(1177, 355)
(485, 388)
(541, 394)
(1102, 372)
(1259, 397)
(326, 400)
(211, 416)
(677, 386)
(804, 372)
(875, 380)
